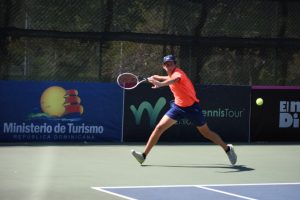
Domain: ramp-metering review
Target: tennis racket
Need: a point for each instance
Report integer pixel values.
(129, 81)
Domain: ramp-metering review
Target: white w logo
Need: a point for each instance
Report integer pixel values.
(152, 112)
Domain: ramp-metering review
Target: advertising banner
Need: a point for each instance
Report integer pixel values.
(225, 107)
(33, 111)
(277, 119)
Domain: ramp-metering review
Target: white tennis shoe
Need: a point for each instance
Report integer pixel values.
(138, 156)
(231, 154)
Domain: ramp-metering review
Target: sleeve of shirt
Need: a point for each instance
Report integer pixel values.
(176, 75)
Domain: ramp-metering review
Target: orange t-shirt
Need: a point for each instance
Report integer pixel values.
(183, 90)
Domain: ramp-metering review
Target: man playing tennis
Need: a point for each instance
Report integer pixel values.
(185, 105)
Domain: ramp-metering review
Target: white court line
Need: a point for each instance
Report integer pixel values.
(227, 193)
(253, 184)
(144, 186)
(204, 185)
(112, 193)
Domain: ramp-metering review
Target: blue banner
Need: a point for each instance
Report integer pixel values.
(33, 111)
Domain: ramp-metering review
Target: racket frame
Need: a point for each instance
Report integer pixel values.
(133, 75)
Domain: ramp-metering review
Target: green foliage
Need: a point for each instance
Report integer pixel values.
(69, 59)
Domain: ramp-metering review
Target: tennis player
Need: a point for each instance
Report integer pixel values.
(185, 105)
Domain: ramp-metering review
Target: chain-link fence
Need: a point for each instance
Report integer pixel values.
(237, 42)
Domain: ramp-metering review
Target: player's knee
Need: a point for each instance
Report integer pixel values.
(206, 132)
(159, 129)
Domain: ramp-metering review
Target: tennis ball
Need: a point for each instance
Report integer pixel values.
(259, 101)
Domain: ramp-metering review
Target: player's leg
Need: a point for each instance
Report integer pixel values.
(168, 120)
(214, 137)
(194, 113)
(165, 123)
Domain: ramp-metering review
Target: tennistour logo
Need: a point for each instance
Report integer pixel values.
(223, 113)
(154, 111)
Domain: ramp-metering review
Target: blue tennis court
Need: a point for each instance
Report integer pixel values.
(265, 191)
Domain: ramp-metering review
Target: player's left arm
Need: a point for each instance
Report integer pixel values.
(158, 78)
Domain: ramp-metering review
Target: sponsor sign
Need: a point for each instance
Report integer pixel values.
(225, 107)
(60, 112)
(278, 118)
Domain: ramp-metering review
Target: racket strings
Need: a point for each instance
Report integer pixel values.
(127, 80)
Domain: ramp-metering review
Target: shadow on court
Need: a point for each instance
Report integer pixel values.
(235, 168)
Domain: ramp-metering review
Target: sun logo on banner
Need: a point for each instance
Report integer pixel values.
(57, 102)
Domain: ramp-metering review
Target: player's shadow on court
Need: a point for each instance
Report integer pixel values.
(235, 168)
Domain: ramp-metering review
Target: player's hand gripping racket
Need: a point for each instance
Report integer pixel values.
(129, 81)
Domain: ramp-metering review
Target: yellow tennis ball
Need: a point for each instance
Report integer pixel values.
(259, 101)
